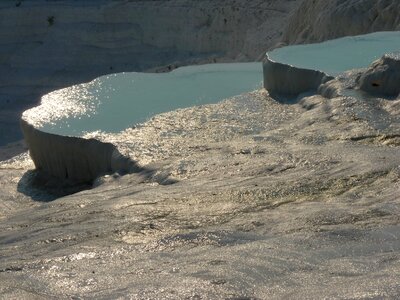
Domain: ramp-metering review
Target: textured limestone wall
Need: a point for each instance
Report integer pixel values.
(288, 81)
(382, 77)
(319, 20)
(73, 158)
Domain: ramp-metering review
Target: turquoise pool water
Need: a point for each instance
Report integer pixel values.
(336, 56)
(115, 102)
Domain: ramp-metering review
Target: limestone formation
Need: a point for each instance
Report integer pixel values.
(320, 20)
(270, 200)
(47, 45)
(289, 81)
(73, 158)
(382, 77)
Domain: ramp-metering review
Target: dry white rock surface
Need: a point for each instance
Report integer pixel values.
(245, 199)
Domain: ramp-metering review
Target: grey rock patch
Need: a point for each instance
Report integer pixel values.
(382, 77)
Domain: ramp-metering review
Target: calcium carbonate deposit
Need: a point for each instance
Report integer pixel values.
(339, 55)
(247, 198)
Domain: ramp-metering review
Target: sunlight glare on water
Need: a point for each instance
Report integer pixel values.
(115, 102)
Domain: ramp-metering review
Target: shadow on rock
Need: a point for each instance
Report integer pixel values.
(42, 187)
(291, 99)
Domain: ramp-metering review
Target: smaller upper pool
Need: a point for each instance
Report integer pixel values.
(337, 56)
(115, 102)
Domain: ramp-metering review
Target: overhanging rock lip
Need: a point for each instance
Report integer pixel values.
(74, 158)
(286, 80)
(267, 57)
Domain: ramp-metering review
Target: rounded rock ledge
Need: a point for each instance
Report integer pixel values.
(282, 80)
(294, 70)
(76, 159)
(56, 131)
(383, 76)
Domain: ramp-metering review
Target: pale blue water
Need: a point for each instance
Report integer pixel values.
(339, 55)
(115, 102)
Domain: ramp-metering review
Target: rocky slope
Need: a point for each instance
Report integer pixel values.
(246, 199)
(249, 198)
(319, 20)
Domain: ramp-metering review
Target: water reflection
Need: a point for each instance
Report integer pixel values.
(115, 102)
